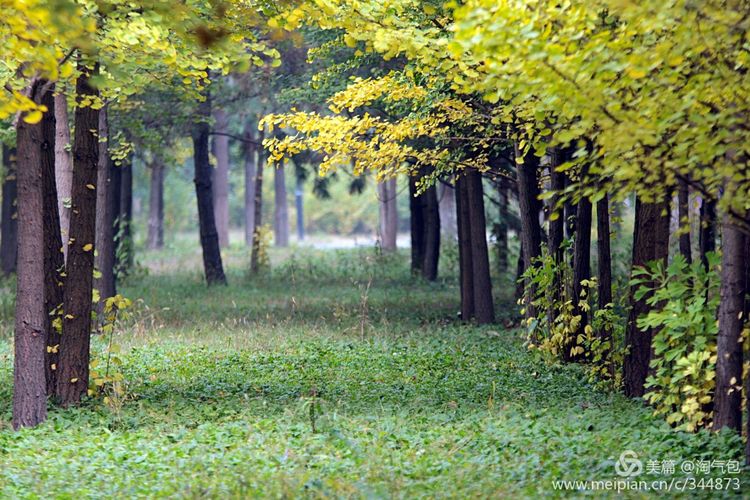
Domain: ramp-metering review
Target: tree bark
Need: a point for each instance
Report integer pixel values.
(708, 229)
(258, 211)
(501, 231)
(155, 238)
(220, 180)
(63, 166)
(466, 271)
(125, 242)
(212, 263)
(29, 385)
(529, 206)
(73, 369)
(54, 258)
(604, 269)
(728, 395)
(484, 310)
(249, 154)
(650, 242)
(417, 228)
(683, 212)
(105, 204)
(9, 223)
(431, 238)
(281, 207)
(388, 214)
(447, 203)
(581, 271)
(556, 229)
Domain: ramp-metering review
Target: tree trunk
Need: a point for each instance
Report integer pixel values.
(388, 214)
(249, 151)
(556, 230)
(300, 208)
(581, 271)
(155, 239)
(29, 385)
(683, 211)
(212, 264)
(258, 211)
(220, 180)
(417, 228)
(484, 311)
(728, 395)
(281, 207)
(708, 229)
(54, 258)
(431, 236)
(73, 370)
(650, 242)
(501, 230)
(465, 265)
(105, 230)
(529, 206)
(63, 166)
(125, 242)
(9, 223)
(447, 203)
(604, 269)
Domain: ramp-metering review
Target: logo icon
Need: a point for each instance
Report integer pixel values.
(628, 465)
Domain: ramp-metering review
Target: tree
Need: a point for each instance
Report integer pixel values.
(388, 215)
(220, 178)
(107, 208)
(9, 224)
(63, 165)
(281, 207)
(250, 160)
(155, 238)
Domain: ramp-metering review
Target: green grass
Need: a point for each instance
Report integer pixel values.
(409, 403)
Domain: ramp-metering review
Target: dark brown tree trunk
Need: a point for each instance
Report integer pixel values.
(125, 242)
(417, 228)
(529, 206)
(708, 229)
(54, 258)
(484, 310)
(155, 238)
(9, 224)
(258, 223)
(683, 211)
(105, 230)
(431, 239)
(501, 231)
(212, 264)
(220, 179)
(581, 272)
(73, 368)
(556, 230)
(728, 396)
(465, 265)
(281, 207)
(650, 242)
(604, 255)
(63, 166)
(249, 153)
(29, 385)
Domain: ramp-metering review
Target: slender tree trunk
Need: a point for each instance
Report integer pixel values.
(529, 206)
(9, 224)
(581, 271)
(299, 208)
(212, 264)
(417, 228)
(220, 180)
(30, 341)
(556, 230)
(683, 211)
(484, 310)
(728, 396)
(466, 267)
(447, 203)
(650, 242)
(388, 214)
(281, 206)
(105, 230)
(155, 239)
(249, 153)
(63, 166)
(125, 243)
(431, 216)
(604, 298)
(258, 223)
(708, 229)
(54, 258)
(501, 231)
(73, 369)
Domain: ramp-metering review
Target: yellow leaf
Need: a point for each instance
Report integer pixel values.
(33, 117)
(88, 247)
(74, 380)
(90, 186)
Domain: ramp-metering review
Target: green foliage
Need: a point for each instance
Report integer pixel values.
(684, 299)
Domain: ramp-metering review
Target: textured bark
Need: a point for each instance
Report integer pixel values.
(683, 212)
(104, 260)
(447, 203)
(254, 256)
(484, 311)
(650, 242)
(556, 229)
(388, 214)
(604, 278)
(466, 272)
(155, 238)
(431, 233)
(728, 395)
(220, 179)
(249, 154)
(125, 241)
(281, 207)
(63, 165)
(212, 264)
(708, 229)
(54, 258)
(501, 231)
(29, 385)
(9, 223)
(73, 369)
(529, 206)
(581, 269)
(417, 228)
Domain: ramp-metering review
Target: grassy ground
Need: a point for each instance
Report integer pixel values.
(334, 375)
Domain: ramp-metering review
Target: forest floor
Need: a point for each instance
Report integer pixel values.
(336, 374)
